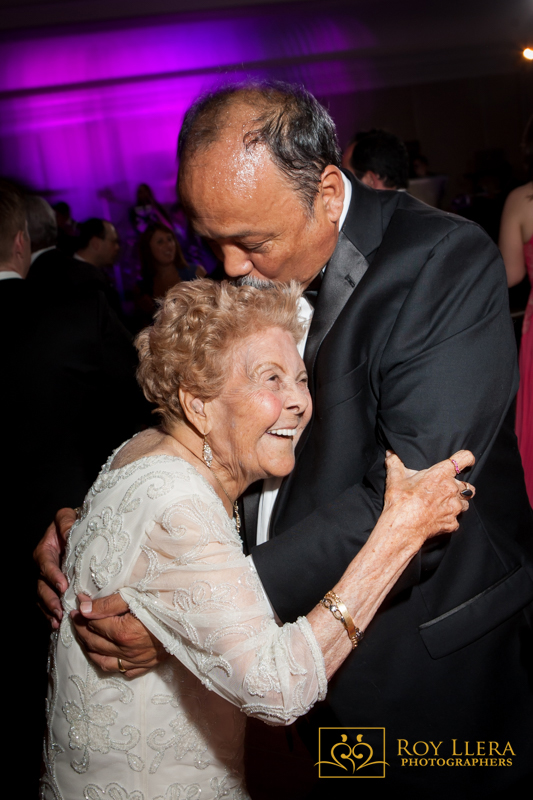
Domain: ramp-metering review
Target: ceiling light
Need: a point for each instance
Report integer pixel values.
(528, 53)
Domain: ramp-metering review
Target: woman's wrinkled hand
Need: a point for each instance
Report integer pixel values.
(427, 502)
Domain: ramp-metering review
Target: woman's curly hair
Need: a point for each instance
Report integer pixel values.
(195, 329)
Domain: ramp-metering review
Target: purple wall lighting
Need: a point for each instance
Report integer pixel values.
(86, 115)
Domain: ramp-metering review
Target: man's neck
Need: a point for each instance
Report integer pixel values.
(83, 255)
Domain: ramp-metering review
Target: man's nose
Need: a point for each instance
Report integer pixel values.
(236, 261)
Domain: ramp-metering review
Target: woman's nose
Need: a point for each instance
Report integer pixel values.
(298, 398)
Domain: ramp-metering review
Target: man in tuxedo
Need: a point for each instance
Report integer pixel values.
(410, 347)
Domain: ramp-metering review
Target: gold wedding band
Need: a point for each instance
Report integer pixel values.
(120, 667)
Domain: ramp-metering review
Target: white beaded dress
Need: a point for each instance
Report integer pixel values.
(156, 531)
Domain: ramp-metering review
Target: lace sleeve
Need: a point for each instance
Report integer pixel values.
(194, 589)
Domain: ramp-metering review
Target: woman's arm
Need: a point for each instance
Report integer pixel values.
(194, 591)
(511, 239)
(417, 506)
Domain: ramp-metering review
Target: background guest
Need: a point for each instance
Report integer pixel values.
(162, 267)
(26, 681)
(67, 228)
(516, 244)
(380, 160)
(147, 211)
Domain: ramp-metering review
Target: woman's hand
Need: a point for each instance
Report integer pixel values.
(428, 502)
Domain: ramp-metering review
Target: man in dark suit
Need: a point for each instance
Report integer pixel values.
(410, 347)
(74, 346)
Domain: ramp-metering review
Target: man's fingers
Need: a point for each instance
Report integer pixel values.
(49, 602)
(110, 664)
(463, 459)
(48, 552)
(65, 519)
(94, 641)
(111, 606)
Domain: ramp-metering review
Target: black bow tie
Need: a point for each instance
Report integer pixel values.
(311, 293)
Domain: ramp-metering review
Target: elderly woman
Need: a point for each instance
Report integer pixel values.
(160, 526)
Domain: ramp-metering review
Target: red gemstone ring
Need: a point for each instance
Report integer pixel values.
(456, 465)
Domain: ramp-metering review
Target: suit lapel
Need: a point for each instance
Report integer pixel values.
(250, 508)
(344, 271)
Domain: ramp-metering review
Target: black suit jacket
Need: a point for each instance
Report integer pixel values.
(411, 347)
(70, 396)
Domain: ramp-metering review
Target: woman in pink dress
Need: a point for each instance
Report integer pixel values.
(516, 244)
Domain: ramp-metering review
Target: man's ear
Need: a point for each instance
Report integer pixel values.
(195, 411)
(19, 244)
(369, 179)
(332, 192)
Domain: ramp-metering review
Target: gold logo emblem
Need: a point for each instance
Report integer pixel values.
(351, 753)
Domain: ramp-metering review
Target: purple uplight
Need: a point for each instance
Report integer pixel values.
(86, 116)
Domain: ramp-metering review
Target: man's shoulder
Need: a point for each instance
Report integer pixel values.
(433, 221)
(396, 218)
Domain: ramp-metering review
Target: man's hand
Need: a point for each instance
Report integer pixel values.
(52, 583)
(107, 631)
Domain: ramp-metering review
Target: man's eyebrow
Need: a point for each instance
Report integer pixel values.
(246, 235)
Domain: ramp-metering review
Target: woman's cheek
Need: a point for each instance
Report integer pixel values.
(268, 408)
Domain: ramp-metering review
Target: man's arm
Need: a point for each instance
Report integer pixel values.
(48, 553)
(105, 627)
(445, 380)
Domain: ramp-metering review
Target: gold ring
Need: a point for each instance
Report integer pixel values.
(120, 667)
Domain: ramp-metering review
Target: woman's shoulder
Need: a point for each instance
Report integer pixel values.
(517, 199)
(140, 445)
(142, 472)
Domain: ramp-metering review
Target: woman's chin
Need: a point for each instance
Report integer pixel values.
(280, 467)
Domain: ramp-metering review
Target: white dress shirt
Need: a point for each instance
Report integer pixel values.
(6, 274)
(38, 253)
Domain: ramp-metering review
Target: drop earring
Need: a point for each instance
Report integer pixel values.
(207, 453)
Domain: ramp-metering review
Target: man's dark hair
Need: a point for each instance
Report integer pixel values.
(12, 217)
(42, 224)
(62, 208)
(297, 131)
(89, 229)
(383, 153)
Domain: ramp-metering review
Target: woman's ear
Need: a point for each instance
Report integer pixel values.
(194, 410)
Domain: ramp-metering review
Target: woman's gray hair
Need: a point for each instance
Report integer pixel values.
(196, 330)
